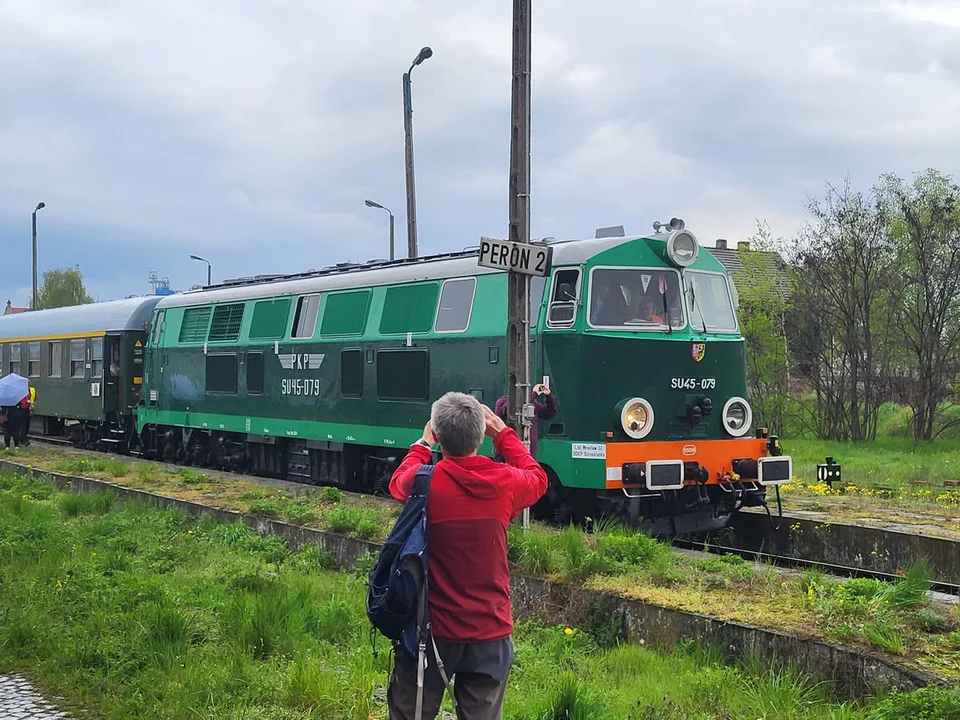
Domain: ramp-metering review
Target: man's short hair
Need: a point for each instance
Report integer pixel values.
(459, 423)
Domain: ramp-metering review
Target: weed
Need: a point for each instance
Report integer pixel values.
(928, 703)
(95, 503)
(331, 495)
(267, 508)
(884, 636)
(189, 476)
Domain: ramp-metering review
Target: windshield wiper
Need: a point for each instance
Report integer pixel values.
(695, 306)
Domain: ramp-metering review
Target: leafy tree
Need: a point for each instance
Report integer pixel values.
(61, 287)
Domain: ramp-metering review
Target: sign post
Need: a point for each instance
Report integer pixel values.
(519, 408)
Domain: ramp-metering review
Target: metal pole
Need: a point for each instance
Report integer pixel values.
(391, 236)
(519, 409)
(408, 150)
(34, 260)
(209, 279)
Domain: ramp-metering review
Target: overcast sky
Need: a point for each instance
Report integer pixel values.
(251, 132)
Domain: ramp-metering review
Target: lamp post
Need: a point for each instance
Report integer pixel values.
(408, 147)
(372, 204)
(40, 206)
(197, 257)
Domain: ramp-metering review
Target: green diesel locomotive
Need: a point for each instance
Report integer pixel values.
(328, 376)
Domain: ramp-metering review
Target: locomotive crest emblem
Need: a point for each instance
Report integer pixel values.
(698, 351)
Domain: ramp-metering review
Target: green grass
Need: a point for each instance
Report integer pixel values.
(135, 612)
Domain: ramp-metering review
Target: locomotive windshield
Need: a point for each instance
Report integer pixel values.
(635, 297)
(708, 299)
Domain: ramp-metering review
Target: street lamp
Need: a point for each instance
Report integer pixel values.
(197, 257)
(408, 146)
(372, 204)
(40, 206)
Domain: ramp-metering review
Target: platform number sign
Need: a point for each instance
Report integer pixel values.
(523, 258)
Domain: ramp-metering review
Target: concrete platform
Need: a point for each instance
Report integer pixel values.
(19, 701)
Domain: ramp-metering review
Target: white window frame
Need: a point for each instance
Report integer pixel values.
(576, 290)
(638, 328)
(473, 297)
(316, 321)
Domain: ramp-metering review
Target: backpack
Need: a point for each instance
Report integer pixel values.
(397, 584)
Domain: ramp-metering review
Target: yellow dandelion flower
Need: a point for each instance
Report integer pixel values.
(568, 631)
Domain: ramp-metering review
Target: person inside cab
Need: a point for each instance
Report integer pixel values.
(608, 307)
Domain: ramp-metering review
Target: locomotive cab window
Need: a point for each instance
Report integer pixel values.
(635, 298)
(305, 319)
(536, 299)
(456, 305)
(157, 328)
(709, 301)
(563, 298)
(14, 358)
(77, 357)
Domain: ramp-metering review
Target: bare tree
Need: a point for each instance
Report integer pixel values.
(927, 228)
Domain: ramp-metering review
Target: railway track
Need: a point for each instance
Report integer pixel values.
(804, 564)
(750, 555)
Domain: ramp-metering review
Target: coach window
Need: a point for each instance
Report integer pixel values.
(565, 290)
(55, 359)
(221, 374)
(305, 319)
(456, 305)
(351, 373)
(14, 358)
(77, 348)
(254, 373)
(96, 357)
(33, 359)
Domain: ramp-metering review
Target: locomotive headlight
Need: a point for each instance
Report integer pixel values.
(737, 416)
(636, 418)
(682, 248)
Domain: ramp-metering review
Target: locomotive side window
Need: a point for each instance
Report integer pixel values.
(14, 358)
(563, 298)
(96, 357)
(33, 359)
(709, 301)
(194, 326)
(456, 305)
(221, 374)
(305, 319)
(409, 308)
(402, 375)
(351, 373)
(635, 297)
(254, 373)
(77, 352)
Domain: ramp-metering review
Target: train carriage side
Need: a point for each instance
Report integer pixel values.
(640, 340)
(326, 379)
(86, 363)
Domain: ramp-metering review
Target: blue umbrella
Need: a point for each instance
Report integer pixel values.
(13, 389)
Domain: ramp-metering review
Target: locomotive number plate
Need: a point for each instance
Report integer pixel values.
(693, 383)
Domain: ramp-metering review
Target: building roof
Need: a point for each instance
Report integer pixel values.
(767, 262)
(11, 310)
(113, 316)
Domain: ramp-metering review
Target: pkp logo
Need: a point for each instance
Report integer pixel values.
(689, 450)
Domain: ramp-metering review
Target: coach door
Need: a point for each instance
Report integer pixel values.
(111, 374)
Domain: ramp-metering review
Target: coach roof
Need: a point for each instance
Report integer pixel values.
(77, 320)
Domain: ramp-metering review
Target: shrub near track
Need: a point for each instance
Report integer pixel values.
(135, 612)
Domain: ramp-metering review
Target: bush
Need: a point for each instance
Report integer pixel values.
(925, 704)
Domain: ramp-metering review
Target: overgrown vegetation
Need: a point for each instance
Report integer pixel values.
(135, 612)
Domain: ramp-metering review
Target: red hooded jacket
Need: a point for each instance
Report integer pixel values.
(470, 504)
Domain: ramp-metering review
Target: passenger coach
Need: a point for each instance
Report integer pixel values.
(86, 363)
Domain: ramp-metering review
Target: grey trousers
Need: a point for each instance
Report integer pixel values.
(479, 673)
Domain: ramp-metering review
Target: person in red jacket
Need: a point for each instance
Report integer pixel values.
(471, 501)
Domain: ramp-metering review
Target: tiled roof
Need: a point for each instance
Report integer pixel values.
(768, 263)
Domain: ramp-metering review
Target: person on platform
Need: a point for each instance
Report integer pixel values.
(26, 407)
(470, 504)
(544, 405)
(11, 428)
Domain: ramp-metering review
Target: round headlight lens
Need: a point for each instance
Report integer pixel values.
(737, 416)
(682, 248)
(636, 418)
